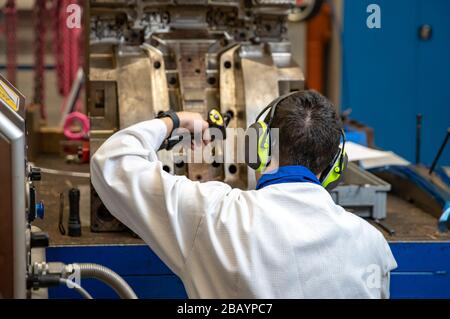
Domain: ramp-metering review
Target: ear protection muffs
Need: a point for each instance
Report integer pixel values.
(260, 133)
(332, 175)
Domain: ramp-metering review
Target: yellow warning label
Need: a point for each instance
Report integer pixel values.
(8, 97)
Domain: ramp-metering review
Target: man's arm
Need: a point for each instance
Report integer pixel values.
(164, 210)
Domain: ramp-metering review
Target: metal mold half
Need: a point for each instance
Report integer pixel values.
(152, 57)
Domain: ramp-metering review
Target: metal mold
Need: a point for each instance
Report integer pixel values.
(150, 56)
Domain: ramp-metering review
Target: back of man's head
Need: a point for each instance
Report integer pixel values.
(309, 131)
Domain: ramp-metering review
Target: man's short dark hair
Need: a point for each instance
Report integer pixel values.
(309, 130)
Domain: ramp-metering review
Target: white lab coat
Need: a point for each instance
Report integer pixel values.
(282, 241)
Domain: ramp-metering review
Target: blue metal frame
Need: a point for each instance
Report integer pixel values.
(409, 173)
(443, 175)
(137, 264)
(423, 270)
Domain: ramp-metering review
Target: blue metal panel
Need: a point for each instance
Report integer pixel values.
(389, 75)
(433, 77)
(145, 287)
(416, 257)
(125, 259)
(423, 270)
(419, 285)
(140, 267)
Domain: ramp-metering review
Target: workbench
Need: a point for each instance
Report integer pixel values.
(422, 253)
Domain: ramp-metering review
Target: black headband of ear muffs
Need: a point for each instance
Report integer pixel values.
(343, 150)
(272, 106)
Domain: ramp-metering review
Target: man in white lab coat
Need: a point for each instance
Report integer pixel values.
(286, 239)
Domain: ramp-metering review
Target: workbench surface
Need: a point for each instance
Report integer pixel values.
(409, 222)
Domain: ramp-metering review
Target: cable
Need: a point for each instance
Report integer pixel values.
(77, 287)
(65, 173)
(61, 228)
(40, 277)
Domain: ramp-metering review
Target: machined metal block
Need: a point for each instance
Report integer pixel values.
(152, 56)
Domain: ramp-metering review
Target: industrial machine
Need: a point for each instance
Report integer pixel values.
(14, 244)
(21, 274)
(146, 57)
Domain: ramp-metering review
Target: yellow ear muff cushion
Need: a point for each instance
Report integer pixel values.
(257, 148)
(251, 145)
(335, 174)
(263, 146)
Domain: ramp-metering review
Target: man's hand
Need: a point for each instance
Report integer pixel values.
(189, 121)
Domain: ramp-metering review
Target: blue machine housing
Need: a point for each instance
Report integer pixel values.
(423, 270)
